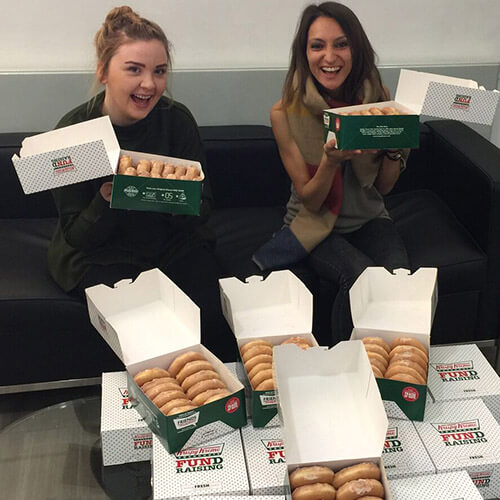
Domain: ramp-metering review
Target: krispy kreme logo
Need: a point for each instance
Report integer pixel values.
(143, 441)
(62, 165)
(461, 101)
(125, 402)
(481, 479)
(190, 420)
(269, 399)
(392, 443)
(461, 433)
(456, 371)
(274, 450)
(199, 459)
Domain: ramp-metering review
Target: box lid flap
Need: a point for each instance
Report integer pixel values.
(412, 87)
(398, 301)
(277, 305)
(145, 318)
(329, 403)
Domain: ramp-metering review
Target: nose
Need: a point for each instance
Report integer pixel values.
(330, 54)
(147, 81)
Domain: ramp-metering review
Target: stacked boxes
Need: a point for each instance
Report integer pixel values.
(125, 437)
(215, 468)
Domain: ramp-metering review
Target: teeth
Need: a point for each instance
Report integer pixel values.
(142, 97)
(331, 69)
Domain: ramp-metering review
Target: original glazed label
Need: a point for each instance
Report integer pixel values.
(461, 433)
(456, 371)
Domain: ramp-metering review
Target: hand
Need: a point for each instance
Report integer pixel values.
(105, 190)
(337, 156)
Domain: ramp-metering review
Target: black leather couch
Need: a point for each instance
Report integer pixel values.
(446, 206)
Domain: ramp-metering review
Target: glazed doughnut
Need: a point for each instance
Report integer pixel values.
(261, 358)
(375, 111)
(409, 341)
(310, 475)
(156, 168)
(215, 397)
(152, 392)
(143, 173)
(261, 376)
(409, 349)
(191, 172)
(300, 341)
(254, 343)
(396, 369)
(359, 488)
(266, 385)
(180, 170)
(258, 368)
(405, 377)
(144, 165)
(130, 171)
(205, 385)
(177, 364)
(157, 381)
(370, 497)
(198, 377)
(192, 367)
(168, 169)
(201, 398)
(164, 397)
(255, 351)
(377, 340)
(170, 176)
(378, 361)
(174, 403)
(180, 409)
(317, 491)
(377, 372)
(378, 350)
(151, 373)
(124, 163)
(389, 110)
(364, 470)
(410, 364)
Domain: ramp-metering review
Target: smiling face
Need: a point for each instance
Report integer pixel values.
(328, 53)
(134, 81)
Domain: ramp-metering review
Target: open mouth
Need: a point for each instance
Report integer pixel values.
(330, 69)
(141, 100)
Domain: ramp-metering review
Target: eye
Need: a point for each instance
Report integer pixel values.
(133, 69)
(160, 71)
(342, 44)
(316, 46)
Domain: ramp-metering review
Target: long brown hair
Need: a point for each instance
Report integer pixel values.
(363, 55)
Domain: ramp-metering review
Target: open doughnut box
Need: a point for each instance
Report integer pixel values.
(417, 93)
(148, 323)
(391, 305)
(330, 408)
(273, 309)
(90, 150)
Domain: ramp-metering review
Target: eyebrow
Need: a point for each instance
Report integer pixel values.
(163, 65)
(321, 39)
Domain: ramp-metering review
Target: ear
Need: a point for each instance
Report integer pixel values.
(101, 76)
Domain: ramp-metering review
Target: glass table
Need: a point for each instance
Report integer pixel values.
(55, 454)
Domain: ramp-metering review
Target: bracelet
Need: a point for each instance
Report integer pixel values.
(394, 155)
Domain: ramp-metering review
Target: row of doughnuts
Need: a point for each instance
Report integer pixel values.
(388, 110)
(406, 359)
(189, 382)
(257, 357)
(158, 169)
(318, 482)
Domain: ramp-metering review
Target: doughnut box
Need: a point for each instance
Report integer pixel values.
(214, 468)
(273, 309)
(404, 453)
(417, 93)
(149, 323)
(90, 150)
(464, 435)
(265, 458)
(390, 306)
(330, 409)
(446, 486)
(458, 372)
(125, 437)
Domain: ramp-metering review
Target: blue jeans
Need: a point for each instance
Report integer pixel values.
(341, 258)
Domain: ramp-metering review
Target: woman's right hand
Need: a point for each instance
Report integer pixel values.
(105, 190)
(335, 156)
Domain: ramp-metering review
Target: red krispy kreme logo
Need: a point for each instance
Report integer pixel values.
(232, 405)
(410, 394)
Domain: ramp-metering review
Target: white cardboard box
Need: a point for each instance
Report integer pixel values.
(215, 468)
(273, 309)
(391, 305)
(265, 458)
(148, 323)
(125, 437)
(330, 407)
(404, 453)
(447, 486)
(463, 435)
(462, 372)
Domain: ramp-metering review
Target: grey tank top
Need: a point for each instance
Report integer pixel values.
(359, 205)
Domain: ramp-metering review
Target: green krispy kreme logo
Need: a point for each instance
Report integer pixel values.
(131, 191)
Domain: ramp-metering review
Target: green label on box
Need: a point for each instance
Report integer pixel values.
(264, 407)
(373, 132)
(156, 195)
(409, 397)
